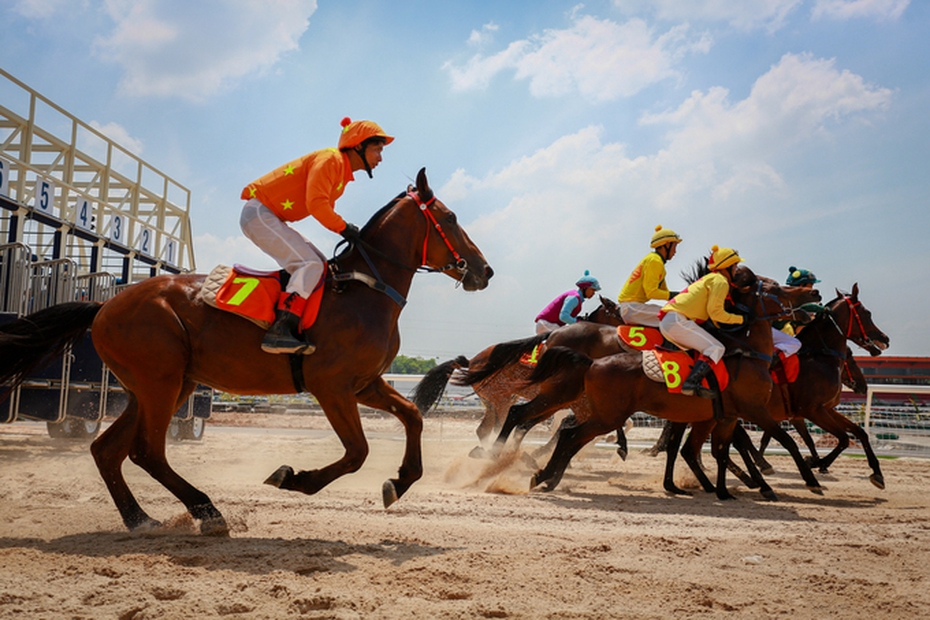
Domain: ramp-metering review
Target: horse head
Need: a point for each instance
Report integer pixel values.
(856, 320)
(447, 248)
(769, 300)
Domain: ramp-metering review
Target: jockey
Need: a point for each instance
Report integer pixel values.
(700, 301)
(563, 309)
(306, 186)
(783, 332)
(648, 281)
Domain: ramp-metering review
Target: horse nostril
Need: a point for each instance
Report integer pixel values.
(488, 272)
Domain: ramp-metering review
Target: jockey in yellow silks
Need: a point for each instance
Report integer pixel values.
(702, 300)
(648, 281)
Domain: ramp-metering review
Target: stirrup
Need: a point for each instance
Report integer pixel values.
(278, 345)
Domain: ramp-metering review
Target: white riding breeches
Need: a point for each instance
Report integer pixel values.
(290, 249)
(638, 313)
(787, 344)
(689, 335)
(543, 326)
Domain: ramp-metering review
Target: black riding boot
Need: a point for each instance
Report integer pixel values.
(281, 337)
(692, 385)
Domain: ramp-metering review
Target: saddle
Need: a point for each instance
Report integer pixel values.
(663, 361)
(253, 294)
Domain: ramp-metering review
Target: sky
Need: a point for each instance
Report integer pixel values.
(561, 133)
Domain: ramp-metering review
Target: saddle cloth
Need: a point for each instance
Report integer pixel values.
(663, 365)
(253, 294)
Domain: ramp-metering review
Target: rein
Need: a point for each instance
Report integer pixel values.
(854, 314)
(375, 282)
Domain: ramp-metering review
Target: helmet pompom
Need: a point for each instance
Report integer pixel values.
(658, 227)
(792, 269)
(714, 248)
(345, 122)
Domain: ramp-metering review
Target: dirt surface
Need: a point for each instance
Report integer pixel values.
(468, 540)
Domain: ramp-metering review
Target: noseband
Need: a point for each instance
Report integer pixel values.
(866, 340)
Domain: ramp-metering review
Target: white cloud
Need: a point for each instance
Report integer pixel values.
(40, 9)
(212, 251)
(848, 9)
(721, 158)
(483, 36)
(193, 50)
(741, 14)
(120, 135)
(600, 59)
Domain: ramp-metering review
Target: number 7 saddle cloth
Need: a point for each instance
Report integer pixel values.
(661, 362)
(253, 294)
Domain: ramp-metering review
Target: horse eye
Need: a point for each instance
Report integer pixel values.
(452, 218)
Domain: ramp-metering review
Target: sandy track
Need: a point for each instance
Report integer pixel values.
(608, 543)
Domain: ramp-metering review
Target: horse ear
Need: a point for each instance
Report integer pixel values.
(423, 188)
(855, 291)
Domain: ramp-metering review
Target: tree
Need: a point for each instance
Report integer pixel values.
(403, 365)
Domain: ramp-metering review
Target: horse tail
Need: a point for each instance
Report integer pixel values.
(501, 356)
(430, 388)
(35, 340)
(556, 360)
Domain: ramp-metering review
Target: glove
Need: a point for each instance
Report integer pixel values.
(350, 232)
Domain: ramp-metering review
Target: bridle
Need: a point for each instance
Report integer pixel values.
(375, 281)
(864, 341)
(460, 264)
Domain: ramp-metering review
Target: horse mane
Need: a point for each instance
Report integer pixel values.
(697, 271)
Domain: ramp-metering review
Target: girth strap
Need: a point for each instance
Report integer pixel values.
(297, 372)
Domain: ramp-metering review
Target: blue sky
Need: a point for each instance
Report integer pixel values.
(561, 133)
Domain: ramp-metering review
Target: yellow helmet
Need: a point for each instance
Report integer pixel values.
(356, 132)
(721, 258)
(663, 236)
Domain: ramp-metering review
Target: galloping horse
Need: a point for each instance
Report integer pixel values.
(615, 388)
(498, 375)
(161, 340)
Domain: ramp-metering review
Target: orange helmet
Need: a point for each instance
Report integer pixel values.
(354, 133)
(721, 258)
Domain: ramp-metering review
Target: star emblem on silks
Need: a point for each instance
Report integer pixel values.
(289, 169)
(252, 191)
(287, 204)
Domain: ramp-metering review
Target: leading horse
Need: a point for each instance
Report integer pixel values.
(161, 340)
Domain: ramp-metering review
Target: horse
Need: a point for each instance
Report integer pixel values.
(160, 340)
(615, 387)
(498, 374)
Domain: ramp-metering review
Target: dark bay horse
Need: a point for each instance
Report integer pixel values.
(615, 387)
(498, 375)
(161, 340)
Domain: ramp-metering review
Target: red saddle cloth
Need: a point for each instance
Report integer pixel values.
(254, 295)
(675, 365)
(790, 368)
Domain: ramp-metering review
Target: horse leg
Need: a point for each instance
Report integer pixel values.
(341, 411)
(661, 444)
(157, 407)
(671, 453)
(765, 422)
(109, 450)
(691, 451)
(622, 449)
(722, 436)
(838, 425)
(743, 443)
(549, 446)
(570, 441)
(522, 416)
(801, 427)
(380, 395)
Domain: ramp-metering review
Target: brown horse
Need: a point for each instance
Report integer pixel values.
(160, 340)
(615, 387)
(499, 375)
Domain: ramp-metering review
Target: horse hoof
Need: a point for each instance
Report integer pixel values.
(146, 525)
(479, 453)
(769, 495)
(388, 493)
(676, 491)
(622, 454)
(816, 490)
(768, 470)
(279, 476)
(214, 527)
(878, 481)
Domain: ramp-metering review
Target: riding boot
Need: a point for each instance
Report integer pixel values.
(692, 385)
(283, 335)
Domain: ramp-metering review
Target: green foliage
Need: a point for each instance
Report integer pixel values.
(403, 365)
